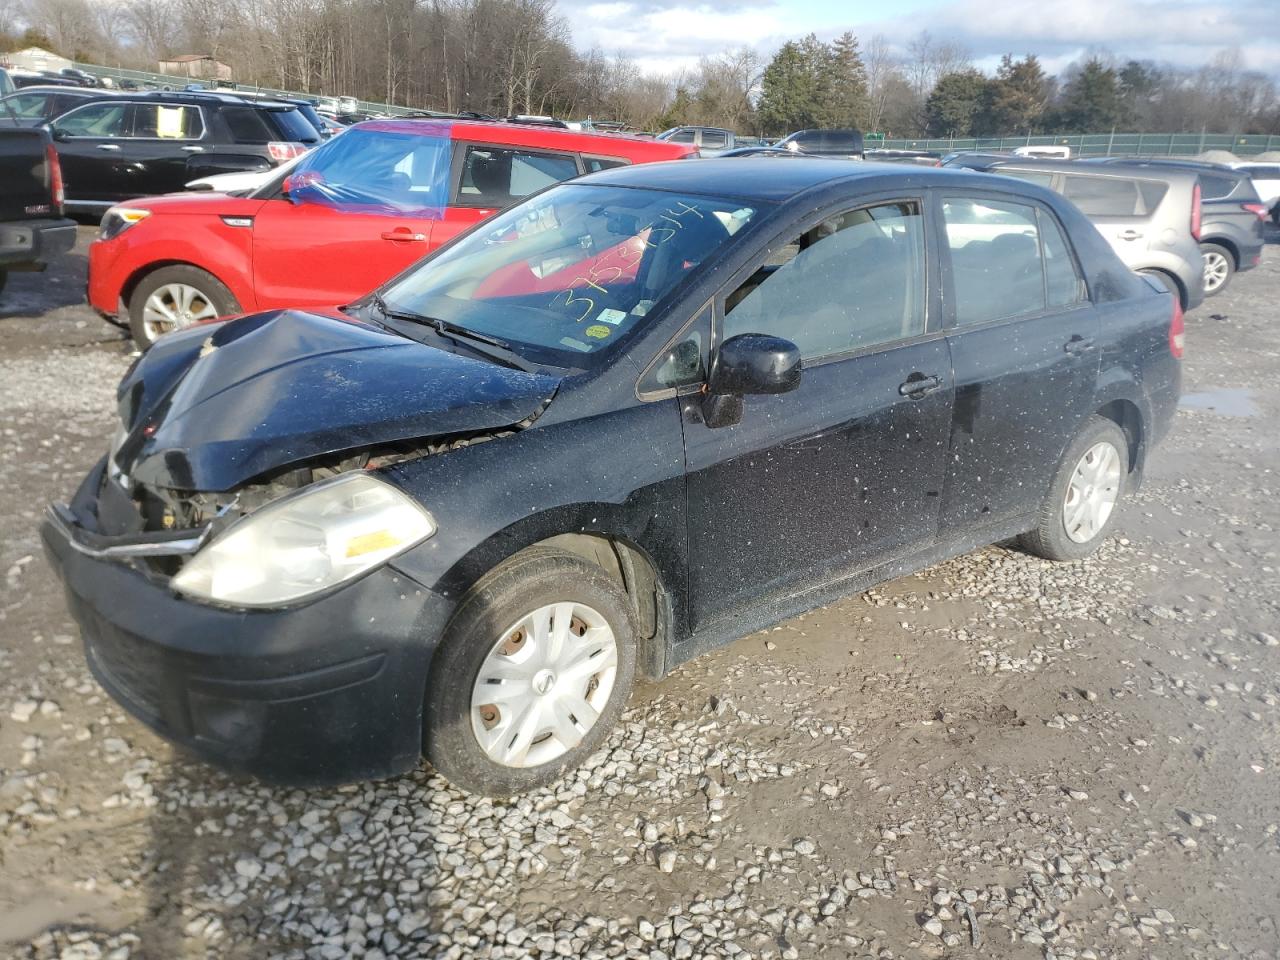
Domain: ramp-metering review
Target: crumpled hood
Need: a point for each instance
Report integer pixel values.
(216, 405)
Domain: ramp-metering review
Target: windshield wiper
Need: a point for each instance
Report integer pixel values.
(456, 333)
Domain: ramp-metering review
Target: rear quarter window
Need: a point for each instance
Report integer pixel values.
(246, 125)
(293, 127)
(1215, 188)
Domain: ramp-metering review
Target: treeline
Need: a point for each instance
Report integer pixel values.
(517, 56)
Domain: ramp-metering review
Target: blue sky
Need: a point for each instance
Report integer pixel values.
(665, 35)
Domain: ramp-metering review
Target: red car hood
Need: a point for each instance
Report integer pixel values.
(208, 204)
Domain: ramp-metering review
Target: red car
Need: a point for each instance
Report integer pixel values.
(348, 216)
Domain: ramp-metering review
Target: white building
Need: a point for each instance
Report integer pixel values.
(36, 59)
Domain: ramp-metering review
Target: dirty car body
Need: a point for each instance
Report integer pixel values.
(603, 427)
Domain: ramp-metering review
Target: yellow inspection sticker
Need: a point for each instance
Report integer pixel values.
(597, 331)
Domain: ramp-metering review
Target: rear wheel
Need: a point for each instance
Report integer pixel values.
(174, 297)
(533, 672)
(4, 277)
(1080, 505)
(1219, 268)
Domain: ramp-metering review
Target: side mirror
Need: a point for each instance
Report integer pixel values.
(58, 134)
(747, 365)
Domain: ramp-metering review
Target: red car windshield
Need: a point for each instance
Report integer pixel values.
(567, 274)
(373, 170)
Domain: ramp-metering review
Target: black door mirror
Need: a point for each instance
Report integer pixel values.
(58, 134)
(746, 365)
(754, 363)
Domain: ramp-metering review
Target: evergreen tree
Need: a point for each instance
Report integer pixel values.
(954, 104)
(1091, 101)
(1016, 99)
(792, 90)
(847, 103)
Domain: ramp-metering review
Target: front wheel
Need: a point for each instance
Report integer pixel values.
(175, 297)
(1082, 498)
(1219, 268)
(532, 673)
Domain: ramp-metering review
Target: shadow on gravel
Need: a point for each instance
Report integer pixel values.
(35, 294)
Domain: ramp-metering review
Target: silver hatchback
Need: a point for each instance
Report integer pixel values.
(1150, 216)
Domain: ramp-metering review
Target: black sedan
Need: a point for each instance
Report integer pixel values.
(629, 420)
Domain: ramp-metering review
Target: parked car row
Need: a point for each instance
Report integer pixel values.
(715, 142)
(1191, 225)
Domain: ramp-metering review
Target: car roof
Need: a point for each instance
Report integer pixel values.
(765, 179)
(532, 135)
(1085, 169)
(59, 88)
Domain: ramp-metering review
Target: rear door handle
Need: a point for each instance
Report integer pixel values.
(1129, 235)
(402, 235)
(918, 385)
(1078, 344)
(108, 146)
(194, 149)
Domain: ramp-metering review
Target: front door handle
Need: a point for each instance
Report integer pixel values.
(1130, 235)
(108, 146)
(194, 149)
(1078, 344)
(919, 385)
(401, 235)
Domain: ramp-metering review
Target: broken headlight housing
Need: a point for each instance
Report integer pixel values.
(304, 543)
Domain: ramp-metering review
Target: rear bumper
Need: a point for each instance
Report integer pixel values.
(325, 693)
(35, 241)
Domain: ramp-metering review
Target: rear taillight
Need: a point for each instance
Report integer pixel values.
(56, 190)
(280, 151)
(1176, 334)
(1259, 210)
(1195, 213)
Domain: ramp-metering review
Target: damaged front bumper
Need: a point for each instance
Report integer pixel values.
(323, 692)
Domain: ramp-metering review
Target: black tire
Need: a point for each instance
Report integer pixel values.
(1275, 214)
(4, 278)
(529, 580)
(1228, 262)
(1049, 538)
(211, 289)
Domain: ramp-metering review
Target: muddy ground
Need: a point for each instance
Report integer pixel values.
(998, 758)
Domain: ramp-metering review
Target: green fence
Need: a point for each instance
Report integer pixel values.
(163, 81)
(1107, 144)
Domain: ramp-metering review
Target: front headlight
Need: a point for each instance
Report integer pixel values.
(306, 542)
(119, 219)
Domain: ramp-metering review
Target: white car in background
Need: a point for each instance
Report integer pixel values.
(1266, 180)
(243, 182)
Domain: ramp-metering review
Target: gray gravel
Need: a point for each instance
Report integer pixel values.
(999, 757)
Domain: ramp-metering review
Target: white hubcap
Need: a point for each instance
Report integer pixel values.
(1092, 492)
(1215, 271)
(173, 306)
(543, 685)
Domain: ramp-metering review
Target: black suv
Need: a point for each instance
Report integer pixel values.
(134, 145)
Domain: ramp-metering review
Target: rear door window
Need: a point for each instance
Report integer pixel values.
(165, 121)
(1111, 196)
(499, 176)
(1007, 260)
(1031, 176)
(714, 139)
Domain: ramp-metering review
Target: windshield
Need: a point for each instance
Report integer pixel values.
(573, 271)
(373, 170)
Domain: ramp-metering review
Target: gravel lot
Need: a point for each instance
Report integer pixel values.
(1000, 757)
